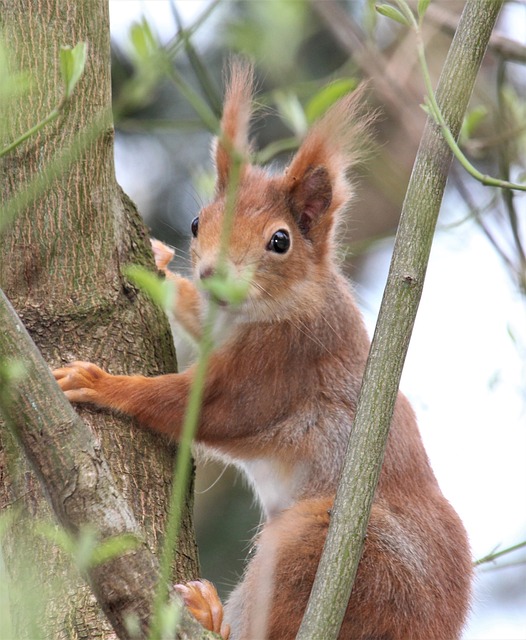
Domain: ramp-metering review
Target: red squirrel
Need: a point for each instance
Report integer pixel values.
(280, 398)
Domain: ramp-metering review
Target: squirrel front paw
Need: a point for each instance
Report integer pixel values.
(162, 254)
(202, 600)
(81, 381)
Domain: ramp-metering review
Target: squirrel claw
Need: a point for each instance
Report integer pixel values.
(201, 599)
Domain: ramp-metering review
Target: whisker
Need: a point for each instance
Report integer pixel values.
(170, 226)
(200, 493)
(324, 318)
(195, 195)
(306, 331)
(181, 256)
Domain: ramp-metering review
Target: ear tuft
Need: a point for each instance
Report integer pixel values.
(237, 111)
(316, 179)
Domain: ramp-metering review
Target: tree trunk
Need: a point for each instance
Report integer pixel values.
(61, 266)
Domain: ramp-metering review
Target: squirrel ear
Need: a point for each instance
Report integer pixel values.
(310, 197)
(237, 111)
(316, 180)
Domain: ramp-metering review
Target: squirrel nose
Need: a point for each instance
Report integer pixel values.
(206, 272)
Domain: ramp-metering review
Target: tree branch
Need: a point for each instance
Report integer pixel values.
(77, 480)
(372, 63)
(343, 548)
(500, 45)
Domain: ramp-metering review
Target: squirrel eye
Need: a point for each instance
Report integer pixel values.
(280, 242)
(195, 226)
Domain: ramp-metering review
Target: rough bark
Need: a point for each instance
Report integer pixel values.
(72, 468)
(349, 519)
(62, 268)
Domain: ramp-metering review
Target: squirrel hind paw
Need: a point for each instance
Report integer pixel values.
(201, 599)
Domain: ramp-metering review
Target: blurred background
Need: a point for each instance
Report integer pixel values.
(465, 371)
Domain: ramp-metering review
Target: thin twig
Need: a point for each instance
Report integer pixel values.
(504, 163)
(373, 64)
(491, 557)
(500, 45)
(199, 68)
(477, 215)
(436, 112)
(191, 420)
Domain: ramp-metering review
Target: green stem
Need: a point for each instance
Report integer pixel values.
(494, 555)
(61, 163)
(198, 66)
(27, 134)
(274, 148)
(199, 105)
(439, 118)
(191, 420)
(173, 47)
(181, 475)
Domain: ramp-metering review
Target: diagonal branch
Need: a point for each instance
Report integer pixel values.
(372, 63)
(343, 549)
(509, 49)
(77, 480)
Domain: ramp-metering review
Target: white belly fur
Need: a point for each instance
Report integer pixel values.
(275, 484)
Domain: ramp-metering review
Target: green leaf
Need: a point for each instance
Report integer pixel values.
(515, 111)
(162, 292)
(422, 7)
(133, 626)
(291, 111)
(143, 41)
(394, 14)
(229, 287)
(11, 371)
(511, 334)
(204, 182)
(85, 549)
(327, 96)
(370, 19)
(472, 120)
(170, 616)
(150, 64)
(72, 63)
(13, 83)
(57, 535)
(114, 547)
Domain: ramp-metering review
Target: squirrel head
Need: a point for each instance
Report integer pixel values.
(282, 227)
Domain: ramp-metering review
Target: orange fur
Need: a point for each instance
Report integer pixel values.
(200, 596)
(187, 306)
(280, 399)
